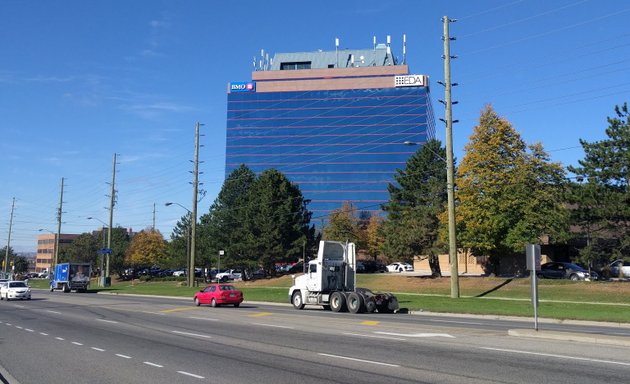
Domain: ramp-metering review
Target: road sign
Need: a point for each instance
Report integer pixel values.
(105, 250)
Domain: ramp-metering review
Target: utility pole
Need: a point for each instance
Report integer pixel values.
(153, 227)
(452, 236)
(112, 201)
(59, 214)
(6, 253)
(193, 248)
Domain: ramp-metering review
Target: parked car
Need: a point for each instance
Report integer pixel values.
(372, 266)
(561, 270)
(623, 264)
(230, 274)
(15, 290)
(179, 273)
(400, 267)
(218, 294)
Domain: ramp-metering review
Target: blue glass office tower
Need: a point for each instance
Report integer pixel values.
(334, 123)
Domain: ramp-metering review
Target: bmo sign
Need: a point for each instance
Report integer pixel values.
(242, 86)
(411, 81)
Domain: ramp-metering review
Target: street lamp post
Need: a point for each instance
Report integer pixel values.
(191, 254)
(103, 282)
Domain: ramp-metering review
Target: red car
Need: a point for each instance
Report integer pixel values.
(218, 294)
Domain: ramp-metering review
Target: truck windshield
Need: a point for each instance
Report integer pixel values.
(333, 251)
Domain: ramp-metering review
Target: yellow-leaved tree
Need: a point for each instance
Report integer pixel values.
(147, 248)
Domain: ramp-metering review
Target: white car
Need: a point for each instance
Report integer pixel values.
(230, 274)
(15, 290)
(624, 265)
(400, 267)
(179, 273)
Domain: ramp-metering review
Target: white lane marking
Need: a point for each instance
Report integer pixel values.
(28, 330)
(191, 375)
(98, 349)
(456, 322)
(375, 337)
(60, 338)
(123, 356)
(273, 325)
(18, 327)
(153, 364)
(55, 312)
(192, 334)
(202, 318)
(43, 333)
(417, 334)
(19, 306)
(76, 343)
(8, 324)
(556, 356)
(107, 321)
(359, 360)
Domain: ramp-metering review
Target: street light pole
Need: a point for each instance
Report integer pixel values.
(102, 281)
(190, 245)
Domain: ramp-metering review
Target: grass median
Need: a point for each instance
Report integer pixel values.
(558, 299)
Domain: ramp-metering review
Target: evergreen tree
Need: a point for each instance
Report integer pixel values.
(415, 203)
(277, 222)
(603, 201)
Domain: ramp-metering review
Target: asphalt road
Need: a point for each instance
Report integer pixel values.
(90, 338)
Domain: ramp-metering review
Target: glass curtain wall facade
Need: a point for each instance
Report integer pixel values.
(338, 145)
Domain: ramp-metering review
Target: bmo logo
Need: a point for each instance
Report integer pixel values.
(411, 81)
(242, 86)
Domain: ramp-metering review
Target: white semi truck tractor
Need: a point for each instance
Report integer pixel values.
(330, 281)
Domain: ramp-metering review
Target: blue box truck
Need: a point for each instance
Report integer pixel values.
(71, 276)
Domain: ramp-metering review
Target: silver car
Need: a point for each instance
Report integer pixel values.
(15, 290)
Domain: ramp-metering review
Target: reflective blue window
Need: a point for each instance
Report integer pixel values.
(336, 145)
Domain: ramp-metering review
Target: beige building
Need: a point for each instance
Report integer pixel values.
(46, 249)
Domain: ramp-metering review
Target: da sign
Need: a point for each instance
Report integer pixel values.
(411, 81)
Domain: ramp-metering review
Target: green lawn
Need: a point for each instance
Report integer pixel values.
(596, 301)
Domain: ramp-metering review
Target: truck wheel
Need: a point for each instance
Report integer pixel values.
(355, 303)
(66, 288)
(296, 300)
(384, 308)
(337, 302)
(370, 306)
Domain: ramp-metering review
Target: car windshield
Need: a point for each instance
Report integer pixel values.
(574, 266)
(227, 288)
(17, 284)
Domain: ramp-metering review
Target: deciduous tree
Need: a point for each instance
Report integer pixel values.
(147, 248)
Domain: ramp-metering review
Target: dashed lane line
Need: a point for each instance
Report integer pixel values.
(55, 312)
(98, 349)
(359, 360)
(417, 334)
(123, 356)
(191, 374)
(153, 364)
(107, 321)
(178, 309)
(59, 338)
(370, 322)
(202, 318)
(273, 326)
(564, 357)
(192, 334)
(76, 343)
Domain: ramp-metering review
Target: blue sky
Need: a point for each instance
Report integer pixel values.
(82, 80)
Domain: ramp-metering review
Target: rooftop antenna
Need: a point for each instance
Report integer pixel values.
(262, 59)
(389, 48)
(270, 63)
(404, 61)
(374, 42)
(266, 61)
(352, 60)
(254, 63)
(337, 51)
